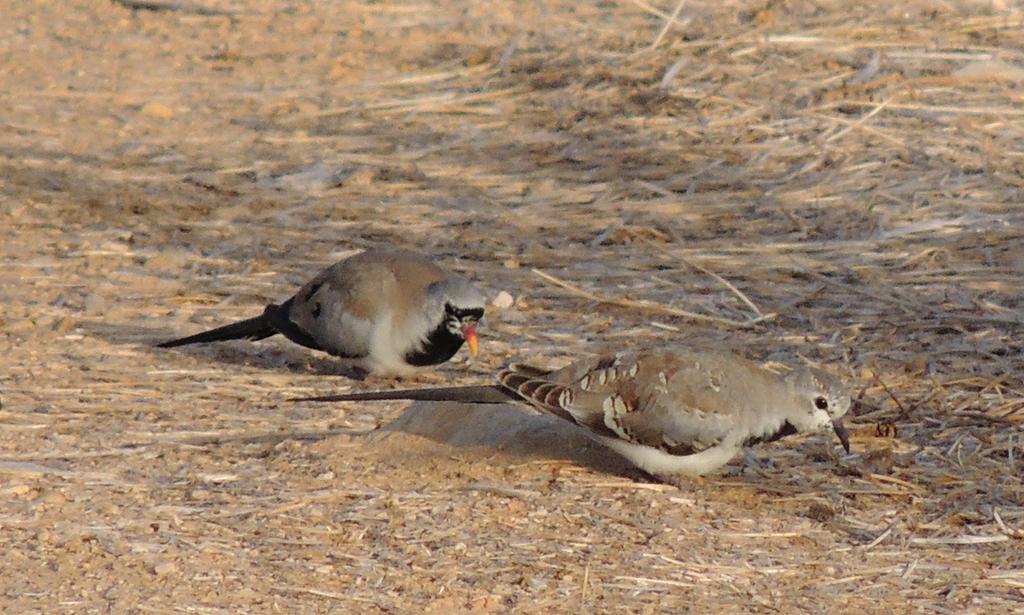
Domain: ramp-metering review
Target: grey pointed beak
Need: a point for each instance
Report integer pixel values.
(842, 434)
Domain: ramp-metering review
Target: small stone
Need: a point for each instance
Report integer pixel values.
(503, 301)
(54, 497)
(219, 477)
(164, 568)
(63, 326)
(157, 110)
(820, 512)
(94, 304)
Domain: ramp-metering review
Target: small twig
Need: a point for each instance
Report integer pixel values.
(510, 49)
(259, 438)
(666, 80)
(649, 305)
(651, 9)
(133, 449)
(30, 468)
(959, 540)
(911, 308)
(634, 485)
(645, 580)
(903, 411)
(505, 491)
(706, 271)
(179, 7)
(665, 327)
(318, 497)
(314, 592)
(668, 24)
(933, 109)
(1009, 452)
(725, 283)
(874, 543)
(895, 481)
(1012, 533)
(863, 119)
(981, 416)
(586, 583)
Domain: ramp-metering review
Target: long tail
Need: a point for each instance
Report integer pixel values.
(253, 329)
(491, 394)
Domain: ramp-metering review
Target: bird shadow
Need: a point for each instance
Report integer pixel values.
(510, 430)
(272, 355)
(515, 432)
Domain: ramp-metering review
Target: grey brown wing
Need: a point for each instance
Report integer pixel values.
(539, 389)
(668, 423)
(668, 400)
(567, 393)
(651, 399)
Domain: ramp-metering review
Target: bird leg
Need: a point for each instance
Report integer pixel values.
(755, 463)
(354, 372)
(682, 482)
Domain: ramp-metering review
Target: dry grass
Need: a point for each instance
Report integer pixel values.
(817, 181)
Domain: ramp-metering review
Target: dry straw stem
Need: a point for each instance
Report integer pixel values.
(648, 305)
(669, 22)
(729, 285)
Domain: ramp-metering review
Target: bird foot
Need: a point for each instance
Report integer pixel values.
(756, 464)
(681, 482)
(352, 371)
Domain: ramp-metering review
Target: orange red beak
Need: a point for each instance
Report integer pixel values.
(469, 334)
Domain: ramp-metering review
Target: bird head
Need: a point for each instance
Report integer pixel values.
(821, 401)
(463, 307)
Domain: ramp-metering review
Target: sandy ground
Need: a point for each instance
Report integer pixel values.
(849, 178)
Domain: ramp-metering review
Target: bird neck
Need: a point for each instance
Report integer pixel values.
(770, 420)
(437, 347)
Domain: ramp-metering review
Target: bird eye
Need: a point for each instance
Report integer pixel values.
(821, 403)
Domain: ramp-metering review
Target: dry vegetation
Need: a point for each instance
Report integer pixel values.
(826, 182)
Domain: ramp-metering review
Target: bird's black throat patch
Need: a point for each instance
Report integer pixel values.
(445, 340)
(786, 429)
(439, 346)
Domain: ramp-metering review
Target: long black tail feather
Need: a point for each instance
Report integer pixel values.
(253, 329)
(490, 394)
